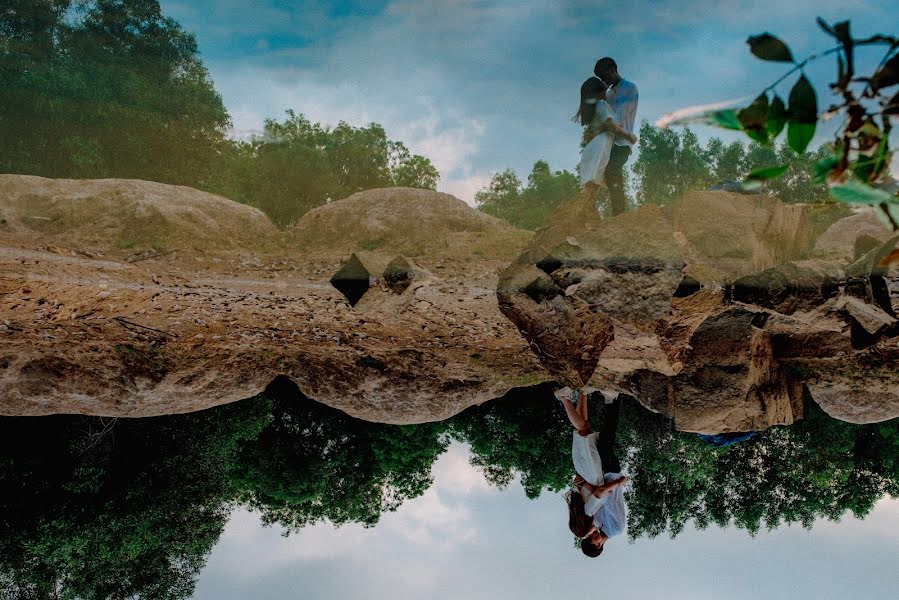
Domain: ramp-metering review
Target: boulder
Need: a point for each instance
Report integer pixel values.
(841, 241)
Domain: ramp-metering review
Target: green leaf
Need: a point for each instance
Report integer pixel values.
(768, 47)
(777, 117)
(822, 168)
(892, 107)
(767, 173)
(856, 192)
(826, 27)
(726, 119)
(802, 115)
(803, 102)
(753, 119)
(887, 75)
(799, 135)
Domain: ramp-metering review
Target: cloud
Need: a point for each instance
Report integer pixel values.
(483, 85)
(455, 476)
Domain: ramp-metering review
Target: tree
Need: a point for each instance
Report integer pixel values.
(118, 91)
(857, 164)
(817, 468)
(116, 508)
(527, 206)
(314, 463)
(671, 164)
(299, 165)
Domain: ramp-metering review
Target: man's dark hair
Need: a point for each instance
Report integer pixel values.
(604, 63)
(589, 549)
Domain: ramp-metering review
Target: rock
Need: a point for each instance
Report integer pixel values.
(864, 389)
(577, 278)
(129, 217)
(406, 221)
(726, 236)
(840, 240)
(871, 318)
(791, 286)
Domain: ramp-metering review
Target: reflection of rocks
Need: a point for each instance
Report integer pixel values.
(714, 349)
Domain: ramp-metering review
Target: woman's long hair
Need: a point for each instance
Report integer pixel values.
(578, 521)
(593, 89)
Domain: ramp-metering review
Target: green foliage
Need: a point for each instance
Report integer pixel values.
(299, 165)
(99, 508)
(817, 468)
(527, 206)
(524, 434)
(112, 88)
(105, 88)
(859, 156)
(672, 163)
(314, 463)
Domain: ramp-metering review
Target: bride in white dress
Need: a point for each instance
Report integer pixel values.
(596, 507)
(601, 129)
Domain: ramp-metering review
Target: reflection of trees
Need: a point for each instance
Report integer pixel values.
(131, 509)
(525, 433)
(93, 508)
(315, 463)
(817, 468)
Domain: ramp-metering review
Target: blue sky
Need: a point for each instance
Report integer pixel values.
(467, 540)
(481, 85)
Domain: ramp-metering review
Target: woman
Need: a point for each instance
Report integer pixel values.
(596, 508)
(596, 115)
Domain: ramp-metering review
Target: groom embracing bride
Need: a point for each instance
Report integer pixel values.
(608, 110)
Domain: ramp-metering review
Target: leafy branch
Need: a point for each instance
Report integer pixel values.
(857, 168)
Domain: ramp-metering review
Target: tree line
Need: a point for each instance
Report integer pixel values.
(103, 508)
(114, 88)
(670, 164)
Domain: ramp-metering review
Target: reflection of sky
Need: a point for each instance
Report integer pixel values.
(481, 85)
(465, 539)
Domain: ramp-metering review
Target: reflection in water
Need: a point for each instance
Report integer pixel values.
(100, 508)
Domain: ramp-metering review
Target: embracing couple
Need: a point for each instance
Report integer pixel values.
(596, 507)
(608, 110)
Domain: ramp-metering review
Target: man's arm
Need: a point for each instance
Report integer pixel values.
(618, 130)
(601, 490)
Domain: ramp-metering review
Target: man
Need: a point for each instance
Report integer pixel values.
(622, 97)
(596, 510)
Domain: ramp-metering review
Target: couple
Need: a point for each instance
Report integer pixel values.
(608, 110)
(596, 509)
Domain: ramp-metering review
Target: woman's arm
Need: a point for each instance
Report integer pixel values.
(601, 490)
(611, 125)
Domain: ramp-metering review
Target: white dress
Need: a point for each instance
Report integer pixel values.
(609, 512)
(595, 155)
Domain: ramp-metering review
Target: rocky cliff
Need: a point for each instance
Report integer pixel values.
(132, 298)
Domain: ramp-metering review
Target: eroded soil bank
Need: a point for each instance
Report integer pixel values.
(128, 298)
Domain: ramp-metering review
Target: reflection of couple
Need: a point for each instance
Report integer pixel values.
(608, 110)
(596, 509)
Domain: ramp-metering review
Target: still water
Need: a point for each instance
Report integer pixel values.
(280, 496)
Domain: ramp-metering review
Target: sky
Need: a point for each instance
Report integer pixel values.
(483, 85)
(464, 539)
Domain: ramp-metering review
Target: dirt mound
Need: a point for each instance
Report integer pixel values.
(406, 221)
(128, 215)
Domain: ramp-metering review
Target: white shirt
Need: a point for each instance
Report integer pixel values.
(609, 512)
(623, 100)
